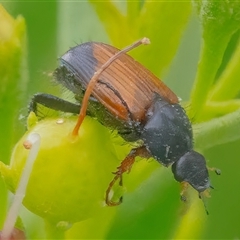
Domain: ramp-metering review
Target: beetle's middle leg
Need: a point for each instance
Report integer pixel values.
(125, 166)
(52, 102)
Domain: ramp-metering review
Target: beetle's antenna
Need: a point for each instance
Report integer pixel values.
(95, 77)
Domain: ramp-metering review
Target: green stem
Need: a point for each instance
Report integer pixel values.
(210, 60)
(220, 20)
(217, 131)
(213, 109)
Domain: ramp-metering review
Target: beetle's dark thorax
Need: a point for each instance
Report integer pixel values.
(167, 133)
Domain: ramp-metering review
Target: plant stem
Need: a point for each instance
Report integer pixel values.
(210, 60)
(217, 131)
(213, 108)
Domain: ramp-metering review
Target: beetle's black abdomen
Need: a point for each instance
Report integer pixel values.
(191, 168)
(167, 133)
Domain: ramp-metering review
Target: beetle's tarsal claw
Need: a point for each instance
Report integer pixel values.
(125, 166)
(118, 175)
(212, 187)
(113, 204)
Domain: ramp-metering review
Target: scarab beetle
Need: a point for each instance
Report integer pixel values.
(130, 99)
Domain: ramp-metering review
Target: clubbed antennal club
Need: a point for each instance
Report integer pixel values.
(95, 78)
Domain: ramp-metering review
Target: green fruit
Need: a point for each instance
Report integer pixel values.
(70, 175)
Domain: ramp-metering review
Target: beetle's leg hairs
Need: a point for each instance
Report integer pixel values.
(125, 166)
(95, 77)
(52, 102)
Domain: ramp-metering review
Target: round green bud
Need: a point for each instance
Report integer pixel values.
(70, 174)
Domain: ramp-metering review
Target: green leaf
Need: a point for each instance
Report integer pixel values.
(220, 20)
(162, 22)
(228, 86)
(13, 77)
(13, 80)
(115, 23)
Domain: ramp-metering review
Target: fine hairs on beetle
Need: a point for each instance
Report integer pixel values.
(146, 110)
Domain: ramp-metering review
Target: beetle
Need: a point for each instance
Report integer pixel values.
(129, 98)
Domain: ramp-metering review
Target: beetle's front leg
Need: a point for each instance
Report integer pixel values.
(125, 166)
(52, 102)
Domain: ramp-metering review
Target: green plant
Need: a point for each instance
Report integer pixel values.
(151, 206)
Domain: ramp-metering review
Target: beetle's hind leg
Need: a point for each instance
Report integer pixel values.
(52, 102)
(125, 166)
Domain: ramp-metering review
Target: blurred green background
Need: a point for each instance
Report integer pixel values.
(52, 28)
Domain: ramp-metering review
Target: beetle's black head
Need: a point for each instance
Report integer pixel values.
(191, 168)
